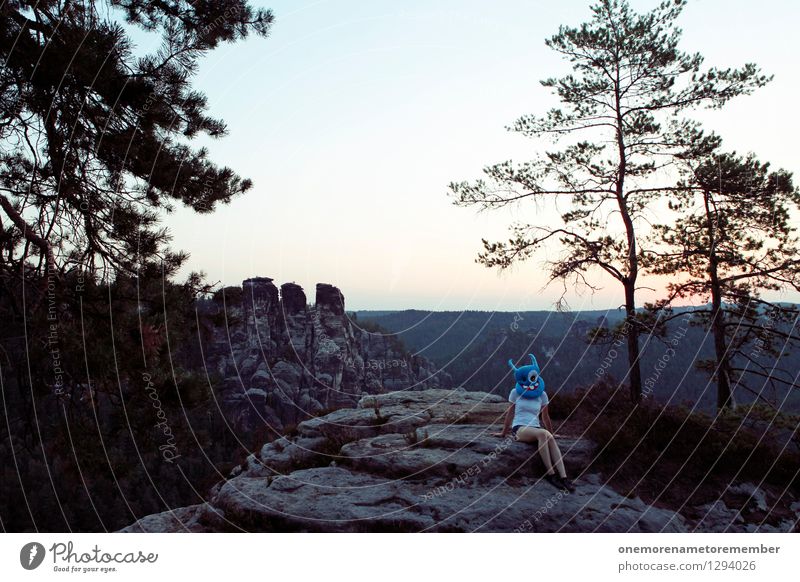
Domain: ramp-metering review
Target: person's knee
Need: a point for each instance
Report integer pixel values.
(524, 436)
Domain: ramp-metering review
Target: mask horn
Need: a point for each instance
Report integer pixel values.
(511, 363)
(533, 359)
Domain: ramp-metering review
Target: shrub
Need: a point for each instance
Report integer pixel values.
(673, 454)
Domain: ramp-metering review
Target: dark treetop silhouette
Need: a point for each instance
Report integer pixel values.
(620, 110)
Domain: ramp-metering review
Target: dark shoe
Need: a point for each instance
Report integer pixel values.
(554, 480)
(567, 484)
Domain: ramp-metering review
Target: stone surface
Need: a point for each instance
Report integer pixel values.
(748, 496)
(427, 461)
(194, 518)
(717, 517)
(450, 450)
(412, 461)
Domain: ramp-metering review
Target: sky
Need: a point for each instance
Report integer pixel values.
(352, 118)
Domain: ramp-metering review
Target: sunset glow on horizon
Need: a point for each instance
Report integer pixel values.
(352, 118)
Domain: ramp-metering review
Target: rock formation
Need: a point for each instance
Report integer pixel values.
(371, 438)
(277, 361)
(411, 461)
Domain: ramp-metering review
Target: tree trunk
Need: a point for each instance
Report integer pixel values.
(634, 367)
(629, 282)
(722, 371)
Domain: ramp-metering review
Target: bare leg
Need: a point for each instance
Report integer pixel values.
(529, 434)
(555, 454)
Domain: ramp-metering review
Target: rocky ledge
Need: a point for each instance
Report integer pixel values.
(411, 461)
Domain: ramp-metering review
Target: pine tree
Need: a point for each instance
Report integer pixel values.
(621, 116)
(96, 140)
(732, 241)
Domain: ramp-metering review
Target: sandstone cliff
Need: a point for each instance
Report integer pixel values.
(277, 360)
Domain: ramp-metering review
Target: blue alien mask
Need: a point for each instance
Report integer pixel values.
(529, 383)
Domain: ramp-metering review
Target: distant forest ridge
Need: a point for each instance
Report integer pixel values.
(474, 347)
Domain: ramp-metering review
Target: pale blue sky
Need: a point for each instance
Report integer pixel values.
(354, 116)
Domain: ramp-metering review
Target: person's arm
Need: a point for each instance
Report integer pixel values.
(506, 421)
(548, 424)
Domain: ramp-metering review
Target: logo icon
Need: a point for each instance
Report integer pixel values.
(31, 555)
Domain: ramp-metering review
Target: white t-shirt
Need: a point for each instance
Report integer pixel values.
(526, 411)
